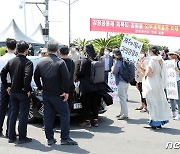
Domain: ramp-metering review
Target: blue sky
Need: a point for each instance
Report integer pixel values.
(156, 11)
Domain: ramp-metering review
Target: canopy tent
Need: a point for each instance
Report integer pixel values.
(13, 31)
(37, 35)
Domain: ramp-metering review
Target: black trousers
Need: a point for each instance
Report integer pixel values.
(52, 104)
(90, 104)
(4, 103)
(71, 97)
(20, 104)
(140, 90)
(106, 76)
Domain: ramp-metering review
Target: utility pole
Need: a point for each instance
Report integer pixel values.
(69, 22)
(69, 15)
(46, 12)
(25, 26)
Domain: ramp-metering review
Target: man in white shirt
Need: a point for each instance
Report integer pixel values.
(4, 99)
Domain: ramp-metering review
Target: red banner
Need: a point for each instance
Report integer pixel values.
(133, 27)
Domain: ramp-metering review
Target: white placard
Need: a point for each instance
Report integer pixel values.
(130, 48)
(112, 85)
(172, 90)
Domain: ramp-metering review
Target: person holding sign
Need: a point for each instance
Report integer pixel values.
(153, 86)
(176, 56)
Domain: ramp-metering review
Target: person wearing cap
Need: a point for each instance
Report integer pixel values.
(153, 85)
(54, 74)
(176, 56)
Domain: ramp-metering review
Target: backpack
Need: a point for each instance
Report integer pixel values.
(128, 71)
(178, 65)
(97, 72)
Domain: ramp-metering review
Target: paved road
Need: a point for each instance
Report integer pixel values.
(111, 137)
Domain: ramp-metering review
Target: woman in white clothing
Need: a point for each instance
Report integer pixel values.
(153, 86)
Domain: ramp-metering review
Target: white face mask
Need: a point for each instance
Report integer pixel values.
(73, 49)
(140, 56)
(106, 52)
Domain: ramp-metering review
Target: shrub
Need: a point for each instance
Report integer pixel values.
(2, 51)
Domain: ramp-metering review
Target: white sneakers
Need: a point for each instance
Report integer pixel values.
(177, 117)
(174, 114)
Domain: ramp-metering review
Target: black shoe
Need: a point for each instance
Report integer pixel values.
(51, 141)
(26, 140)
(86, 124)
(68, 142)
(12, 140)
(95, 123)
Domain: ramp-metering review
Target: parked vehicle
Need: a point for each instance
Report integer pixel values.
(37, 108)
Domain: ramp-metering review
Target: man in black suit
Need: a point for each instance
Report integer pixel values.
(54, 74)
(21, 70)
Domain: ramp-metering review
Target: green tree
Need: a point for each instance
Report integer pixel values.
(117, 39)
(2, 51)
(81, 43)
(103, 43)
(145, 42)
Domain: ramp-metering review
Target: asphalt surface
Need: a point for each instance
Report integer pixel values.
(111, 137)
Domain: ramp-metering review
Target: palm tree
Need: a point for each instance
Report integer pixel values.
(103, 43)
(81, 43)
(117, 39)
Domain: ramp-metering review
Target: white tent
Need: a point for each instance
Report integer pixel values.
(13, 31)
(37, 35)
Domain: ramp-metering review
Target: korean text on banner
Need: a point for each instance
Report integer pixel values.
(112, 85)
(172, 90)
(134, 27)
(130, 48)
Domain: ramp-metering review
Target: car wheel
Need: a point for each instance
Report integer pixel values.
(102, 107)
(41, 110)
(31, 117)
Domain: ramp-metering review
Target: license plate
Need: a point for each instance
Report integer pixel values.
(77, 106)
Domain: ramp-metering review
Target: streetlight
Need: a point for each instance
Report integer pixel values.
(69, 8)
(45, 14)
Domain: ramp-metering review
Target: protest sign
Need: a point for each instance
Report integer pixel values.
(172, 91)
(112, 85)
(130, 48)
